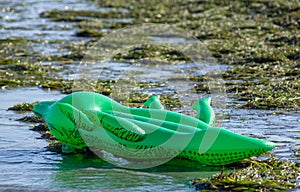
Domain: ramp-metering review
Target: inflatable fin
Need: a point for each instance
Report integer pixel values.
(42, 108)
(205, 111)
(154, 103)
(119, 126)
(79, 119)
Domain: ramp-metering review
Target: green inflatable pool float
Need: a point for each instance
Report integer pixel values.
(86, 119)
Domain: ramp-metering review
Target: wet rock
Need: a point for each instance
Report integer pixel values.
(267, 175)
(22, 107)
(31, 119)
(89, 33)
(40, 128)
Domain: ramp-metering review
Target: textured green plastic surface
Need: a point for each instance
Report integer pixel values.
(89, 119)
(205, 111)
(154, 103)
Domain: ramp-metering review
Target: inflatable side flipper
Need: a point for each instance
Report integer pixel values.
(120, 127)
(79, 119)
(154, 103)
(205, 111)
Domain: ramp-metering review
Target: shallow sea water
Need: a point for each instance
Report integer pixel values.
(25, 164)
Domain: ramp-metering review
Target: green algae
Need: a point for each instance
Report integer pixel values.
(64, 86)
(30, 119)
(268, 93)
(77, 16)
(20, 65)
(89, 33)
(22, 74)
(266, 86)
(23, 107)
(258, 38)
(136, 99)
(258, 175)
(158, 53)
(98, 24)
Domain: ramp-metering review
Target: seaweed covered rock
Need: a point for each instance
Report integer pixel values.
(267, 175)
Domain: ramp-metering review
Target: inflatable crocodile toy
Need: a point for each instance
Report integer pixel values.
(89, 119)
